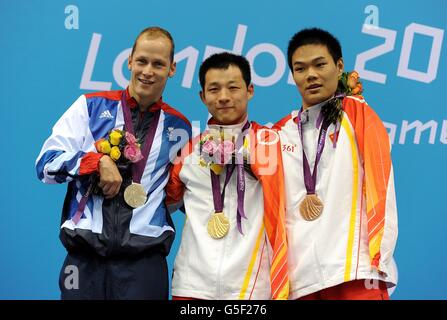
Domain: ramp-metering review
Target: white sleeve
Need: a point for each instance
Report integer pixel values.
(61, 154)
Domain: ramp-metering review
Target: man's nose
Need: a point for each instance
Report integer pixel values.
(224, 96)
(148, 70)
(311, 73)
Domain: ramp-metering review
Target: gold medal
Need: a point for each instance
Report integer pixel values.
(311, 207)
(218, 225)
(134, 195)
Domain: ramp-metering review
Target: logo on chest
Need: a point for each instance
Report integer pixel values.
(105, 115)
(334, 136)
(169, 132)
(289, 148)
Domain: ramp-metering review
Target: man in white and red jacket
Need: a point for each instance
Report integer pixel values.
(234, 242)
(341, 207)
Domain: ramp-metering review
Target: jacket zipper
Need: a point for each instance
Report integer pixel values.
(219, 270)
(115, 224)
(222, 257)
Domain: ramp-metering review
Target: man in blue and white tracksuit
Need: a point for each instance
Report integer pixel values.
(119, 251)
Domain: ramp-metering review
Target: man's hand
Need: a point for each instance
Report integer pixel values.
(109, 177)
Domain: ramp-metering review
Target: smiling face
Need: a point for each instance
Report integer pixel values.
(151, 66)
(226, 95)
(315, 73)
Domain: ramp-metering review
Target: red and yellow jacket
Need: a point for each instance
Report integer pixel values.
(356, 234)
(252, 265)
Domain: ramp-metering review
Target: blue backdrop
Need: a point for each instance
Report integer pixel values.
(54, 51)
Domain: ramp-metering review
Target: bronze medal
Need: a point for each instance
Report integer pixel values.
(218, 225)
(311, 207)
(134, 195)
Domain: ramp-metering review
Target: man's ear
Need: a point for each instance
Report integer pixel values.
(202, 96)
(250, 91)
(129, 63)
(172, 69)
(340, 66)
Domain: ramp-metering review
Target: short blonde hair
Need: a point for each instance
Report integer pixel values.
(153, 32)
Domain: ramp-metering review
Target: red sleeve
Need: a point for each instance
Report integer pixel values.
(281, 123)
(90, 163)
(268, 167)
(175, 187)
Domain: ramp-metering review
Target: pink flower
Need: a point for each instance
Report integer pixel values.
(132, 152)
(225, 152)
(130, 138)
(209, 147)
(228, 147)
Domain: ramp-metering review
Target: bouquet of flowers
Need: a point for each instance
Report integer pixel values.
(121, 146)
(349, 84)
(218, 148)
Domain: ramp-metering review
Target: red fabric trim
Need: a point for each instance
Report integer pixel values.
(360, 231)
(131, 102)
(212, 121)
(90, 163)
(369, 130)
(175, 188)
(259, 268)
(112, 95)
(157, 105)
(281, 123)
(352, 290)
(168, 109)
(376, 260)
(274, 203)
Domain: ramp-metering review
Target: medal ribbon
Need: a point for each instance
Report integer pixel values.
(138, 167)
(81, 206)
(310, 179)
(218, 196)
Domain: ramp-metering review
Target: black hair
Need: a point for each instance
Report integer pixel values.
(222, 61)
(314, 36)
